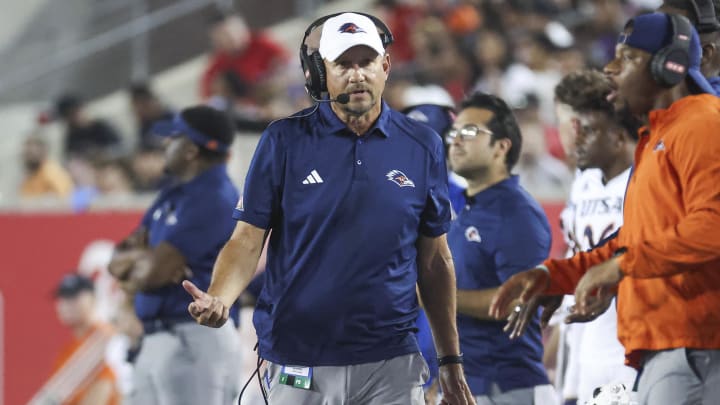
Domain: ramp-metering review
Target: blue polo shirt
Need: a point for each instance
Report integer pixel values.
(345, 212)
(195, 218)
(501, 231)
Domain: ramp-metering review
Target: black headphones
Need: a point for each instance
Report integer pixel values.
(670, 64)
(312, 63)
(706, 19)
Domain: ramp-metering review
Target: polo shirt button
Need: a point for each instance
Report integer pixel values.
(359, 162)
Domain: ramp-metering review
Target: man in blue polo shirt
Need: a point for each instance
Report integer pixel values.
(181, 362)
(356, 197)
(500, 232)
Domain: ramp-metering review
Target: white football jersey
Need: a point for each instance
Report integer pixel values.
(594, 212)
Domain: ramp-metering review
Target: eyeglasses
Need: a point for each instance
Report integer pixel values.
(469, 131)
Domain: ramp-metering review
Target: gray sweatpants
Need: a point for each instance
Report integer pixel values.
(397, 381)
(190, 365)
(538, 395)
(680, 377)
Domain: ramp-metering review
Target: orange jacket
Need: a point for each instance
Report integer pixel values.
(670, 295)
(81, 364)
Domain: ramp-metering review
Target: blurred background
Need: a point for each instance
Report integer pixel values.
(82, 81)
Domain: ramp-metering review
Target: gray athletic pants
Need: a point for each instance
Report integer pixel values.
(189, 364)
(680, 377)
(538, 395)
(397, 381)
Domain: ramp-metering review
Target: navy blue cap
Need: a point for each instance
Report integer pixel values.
(438, 117)
(178, 126)
(72, 285)
(652, 32)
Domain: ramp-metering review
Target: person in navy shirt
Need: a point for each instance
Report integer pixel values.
(501, 231)
(180, 236)
(439, 118)
(355, 194)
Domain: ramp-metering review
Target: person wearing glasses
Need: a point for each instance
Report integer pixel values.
(500, 231)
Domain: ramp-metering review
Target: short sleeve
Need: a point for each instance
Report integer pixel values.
(260, 203)
(524, 242)
(435, 218)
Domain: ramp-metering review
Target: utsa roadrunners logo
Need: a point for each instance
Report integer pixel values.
(350, 28)
(659, 146)
(399, 178)
(472, 234)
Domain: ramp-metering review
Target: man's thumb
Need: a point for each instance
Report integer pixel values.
(193, 290)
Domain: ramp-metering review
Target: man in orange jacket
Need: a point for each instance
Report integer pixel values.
(663, 264)
(81, 374)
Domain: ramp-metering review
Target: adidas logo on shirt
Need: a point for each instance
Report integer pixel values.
(313, 178)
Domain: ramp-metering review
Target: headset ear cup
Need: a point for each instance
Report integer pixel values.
(318, 68)
(657, 69)
(669, 66)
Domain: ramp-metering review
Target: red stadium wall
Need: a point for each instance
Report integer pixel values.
(37, 250)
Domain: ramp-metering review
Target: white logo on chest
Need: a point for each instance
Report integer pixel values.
(472, 234)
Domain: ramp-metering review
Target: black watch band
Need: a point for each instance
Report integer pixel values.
(450, 360)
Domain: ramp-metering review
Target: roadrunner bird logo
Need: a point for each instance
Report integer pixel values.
(399, 178)
(350, 28)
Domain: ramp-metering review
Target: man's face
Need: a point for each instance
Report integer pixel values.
(361, 73)
(596, 140)
(230, 35)
(469, 156)
(76, 310)
(34, 153)
(631, 80)
(567, 120)
(178, 152)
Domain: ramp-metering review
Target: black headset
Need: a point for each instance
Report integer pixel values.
(312, 63)
(670, 64)
(706, 19)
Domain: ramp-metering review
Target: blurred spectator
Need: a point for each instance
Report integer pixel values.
(113, 177)
(82, 375)
(83, 175)
(101, 177)
(490, 57)
(253, 56)
(540, 173)
(437, 57)
(147, 164)
(148, 171)
(463, 18)
(534, 72)
(597, 34)
(231, 94)
(147, 109)
(401, 16)
(85, 137)
(43, 176)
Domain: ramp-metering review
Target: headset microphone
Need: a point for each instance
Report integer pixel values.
(342, 98)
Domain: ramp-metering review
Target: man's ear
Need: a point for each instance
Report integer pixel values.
(386, 64)
(709, 52)
(505, 144)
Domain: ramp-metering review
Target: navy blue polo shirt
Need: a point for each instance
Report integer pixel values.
(195, 218)
(501, 231)
(345, 212)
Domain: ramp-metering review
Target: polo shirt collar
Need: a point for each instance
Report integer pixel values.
(491, 193)
(210, 175)
(331, 123)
